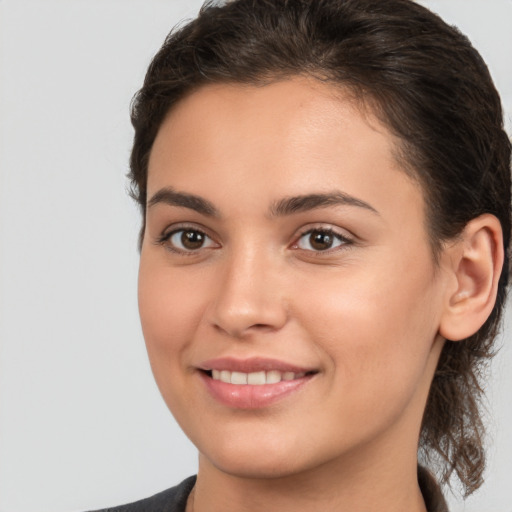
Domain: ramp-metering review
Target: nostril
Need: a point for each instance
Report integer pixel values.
(241, 331)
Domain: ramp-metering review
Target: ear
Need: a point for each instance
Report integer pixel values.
(476, 260)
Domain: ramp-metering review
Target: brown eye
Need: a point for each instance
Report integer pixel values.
(192, 239)
(188, 240)
(321, 240)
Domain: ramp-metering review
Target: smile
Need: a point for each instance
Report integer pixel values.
(252, 383)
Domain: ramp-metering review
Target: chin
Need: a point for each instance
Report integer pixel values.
(253, 458)
(264, 467)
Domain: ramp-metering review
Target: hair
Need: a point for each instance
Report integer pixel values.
(431, 89)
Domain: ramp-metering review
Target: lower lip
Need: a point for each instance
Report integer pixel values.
(247, 396)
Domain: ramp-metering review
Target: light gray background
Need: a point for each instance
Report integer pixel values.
(82, 424)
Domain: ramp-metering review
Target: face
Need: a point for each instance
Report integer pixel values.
(288, 295)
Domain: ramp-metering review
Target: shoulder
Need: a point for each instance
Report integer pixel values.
(434, 499)
(170, 500)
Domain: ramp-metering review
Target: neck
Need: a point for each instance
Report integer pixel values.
(355, 487)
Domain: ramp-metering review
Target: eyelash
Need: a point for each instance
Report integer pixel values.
(344, 240)
(166, 238)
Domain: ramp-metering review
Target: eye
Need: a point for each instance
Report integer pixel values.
(187, 240)
(321, 240)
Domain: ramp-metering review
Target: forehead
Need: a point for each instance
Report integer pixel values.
(301, 102)
(296, 136)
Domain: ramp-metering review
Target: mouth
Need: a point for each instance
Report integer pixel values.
(254, 383)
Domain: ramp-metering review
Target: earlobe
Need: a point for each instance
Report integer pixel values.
(476, 264)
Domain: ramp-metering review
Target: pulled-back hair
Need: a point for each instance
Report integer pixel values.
(427, 84)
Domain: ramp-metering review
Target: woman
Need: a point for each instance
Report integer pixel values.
(325, 190)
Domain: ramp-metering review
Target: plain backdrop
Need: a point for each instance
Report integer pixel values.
(82, 424)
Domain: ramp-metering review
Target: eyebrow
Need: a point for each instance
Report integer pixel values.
(173, 198)
(296, 204)
(281, 208)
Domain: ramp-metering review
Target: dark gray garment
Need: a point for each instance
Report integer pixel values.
(171, 500)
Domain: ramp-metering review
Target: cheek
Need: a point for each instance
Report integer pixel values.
(374, 326)
(170, 306)
(378, 342)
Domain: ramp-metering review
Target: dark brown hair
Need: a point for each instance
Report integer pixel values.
(433, 91)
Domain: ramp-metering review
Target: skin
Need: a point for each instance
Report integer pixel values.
(365, 314)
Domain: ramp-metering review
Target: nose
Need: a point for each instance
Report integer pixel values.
(249, 296)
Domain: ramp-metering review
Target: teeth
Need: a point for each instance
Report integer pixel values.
(273, 377)
(254, 378)
(238, 378)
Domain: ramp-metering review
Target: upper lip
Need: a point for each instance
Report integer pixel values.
(253, 364)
